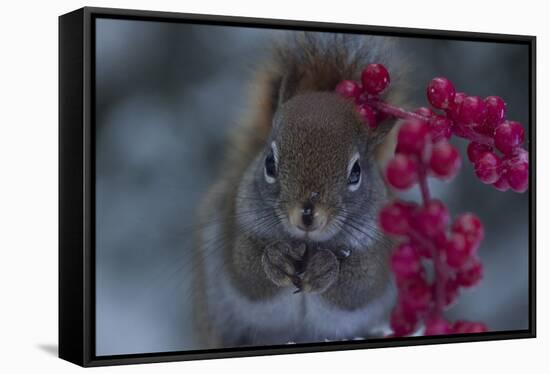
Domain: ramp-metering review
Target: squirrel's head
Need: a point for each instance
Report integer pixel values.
(318, 167)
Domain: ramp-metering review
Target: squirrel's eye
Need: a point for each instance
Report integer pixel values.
(354, 177)
(270, 166)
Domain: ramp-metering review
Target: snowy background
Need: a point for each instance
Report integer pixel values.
(167, 96)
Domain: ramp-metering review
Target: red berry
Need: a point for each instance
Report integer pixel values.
(475, 150)
(518, 176)
(445, 160)
(487, 168)
(458, 250)
(416, 294)
(496, 110)
(472, 111)
(470, 274)
(520, 154)
(441, 93)
(401, 172)
(440, 128)
(466, 327)
(485, 129)
(405, 262)
(440, 240)
(413, 137)
(470, 226)
(375, 79)
(349, 89)
(368, 114)
(424, 111)
(508, 136)
(432, 219)
(403, 321)
(502, 184)
(437, 326)
(459, 98)
(454, 108)
(394, 217)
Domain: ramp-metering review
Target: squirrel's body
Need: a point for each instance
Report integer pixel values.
(295, 209)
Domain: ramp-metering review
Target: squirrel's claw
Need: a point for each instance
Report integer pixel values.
(343, 253)
(297, 281)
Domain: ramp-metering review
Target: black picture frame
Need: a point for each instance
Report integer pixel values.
(77, 176)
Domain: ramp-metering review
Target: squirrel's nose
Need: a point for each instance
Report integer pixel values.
(307, 214)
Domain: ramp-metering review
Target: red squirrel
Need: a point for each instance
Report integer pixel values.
(288, 248)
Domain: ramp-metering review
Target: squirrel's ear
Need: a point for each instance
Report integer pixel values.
(379, 134)
(384, 141)
(287, 87)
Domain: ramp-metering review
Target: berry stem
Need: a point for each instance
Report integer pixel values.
(396, 112)
(440, 275)
(423, 183)
(439, 271)
(440, 281)
(460, 131)
(469, 134)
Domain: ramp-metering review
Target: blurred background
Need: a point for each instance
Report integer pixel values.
(167, 97)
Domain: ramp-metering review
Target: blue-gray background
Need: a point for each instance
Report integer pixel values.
(168, 95)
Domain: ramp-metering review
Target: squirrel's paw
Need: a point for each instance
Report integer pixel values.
(280, 263)
(321, 271)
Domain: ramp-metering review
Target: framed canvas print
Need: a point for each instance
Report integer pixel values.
(234, 186)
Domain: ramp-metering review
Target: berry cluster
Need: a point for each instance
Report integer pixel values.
(428, 238)
(481, 121)
(375, 79)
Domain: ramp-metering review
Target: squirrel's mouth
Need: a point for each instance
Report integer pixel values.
(318, 235)
(308, 221)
